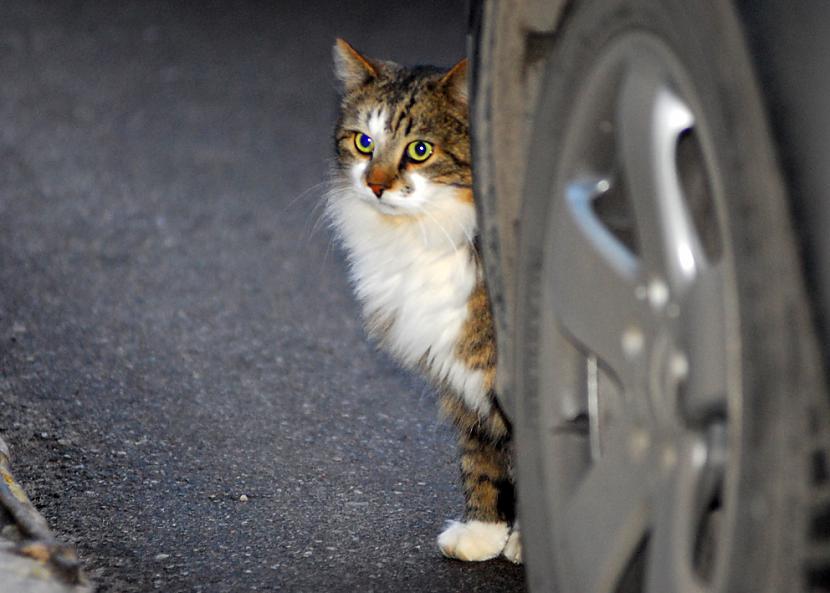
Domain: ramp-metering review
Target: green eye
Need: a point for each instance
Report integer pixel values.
(364, 143)
(419, 151)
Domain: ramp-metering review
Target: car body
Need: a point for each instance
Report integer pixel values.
(752, 77)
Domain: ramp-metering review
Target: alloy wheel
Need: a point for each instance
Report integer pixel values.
(640, 328)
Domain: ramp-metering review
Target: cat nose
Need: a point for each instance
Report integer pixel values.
(377, 188)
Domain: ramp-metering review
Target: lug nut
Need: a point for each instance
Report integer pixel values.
(679, 366)
(633, 342)
(658, 294)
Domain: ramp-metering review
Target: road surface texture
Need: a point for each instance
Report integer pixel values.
(185, 384)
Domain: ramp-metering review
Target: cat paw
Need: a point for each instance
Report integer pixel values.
(473, 540)
(513, 548)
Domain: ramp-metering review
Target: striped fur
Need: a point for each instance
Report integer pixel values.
(415, 269)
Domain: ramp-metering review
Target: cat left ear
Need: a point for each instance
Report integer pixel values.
(456, 81)
(351, 68)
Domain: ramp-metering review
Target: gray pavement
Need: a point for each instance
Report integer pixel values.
(174, 337)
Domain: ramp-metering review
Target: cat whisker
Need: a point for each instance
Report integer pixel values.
(329, 245)
(332, 195)
(315, 215)
(304, 193)
(423, 230)
(312, 222)
(464, 232)
(320, 214)
(443, 230)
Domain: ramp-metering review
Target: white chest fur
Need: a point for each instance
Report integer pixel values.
(416, 273)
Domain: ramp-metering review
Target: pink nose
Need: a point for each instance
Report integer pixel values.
(377, 188)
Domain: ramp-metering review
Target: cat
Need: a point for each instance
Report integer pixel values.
(401, 204)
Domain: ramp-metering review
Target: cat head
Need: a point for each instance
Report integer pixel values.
(402, 139)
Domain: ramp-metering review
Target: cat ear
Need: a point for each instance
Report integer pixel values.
(456, 81)
(351, 68)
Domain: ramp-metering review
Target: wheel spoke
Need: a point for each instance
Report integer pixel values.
(594, 281)
(605, 521)
(676, 519)
(650, 121)
(704, 334)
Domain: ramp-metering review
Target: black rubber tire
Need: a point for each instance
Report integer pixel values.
(781, 535)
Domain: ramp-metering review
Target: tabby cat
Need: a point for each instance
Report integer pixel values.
(401, 203)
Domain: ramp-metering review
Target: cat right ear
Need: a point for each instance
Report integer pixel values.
(351, 68)
(456, 81)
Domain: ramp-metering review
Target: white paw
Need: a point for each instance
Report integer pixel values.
(473, 540)
(513, 548)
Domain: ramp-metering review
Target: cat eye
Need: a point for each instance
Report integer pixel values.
(419, 151)
(364, 143)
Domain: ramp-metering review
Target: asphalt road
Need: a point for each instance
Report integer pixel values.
(175, 332)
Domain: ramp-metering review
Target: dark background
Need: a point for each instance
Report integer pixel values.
(176, 329)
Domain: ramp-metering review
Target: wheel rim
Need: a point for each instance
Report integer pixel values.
(640, 328)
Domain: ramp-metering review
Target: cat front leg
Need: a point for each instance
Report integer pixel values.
(489, 497)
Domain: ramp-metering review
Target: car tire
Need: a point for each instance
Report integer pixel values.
(670, 404)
